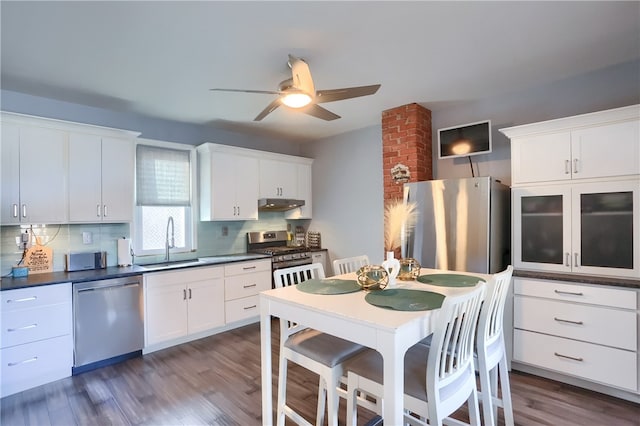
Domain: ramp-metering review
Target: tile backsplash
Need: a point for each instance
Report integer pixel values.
(214, 238)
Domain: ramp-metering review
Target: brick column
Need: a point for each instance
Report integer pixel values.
(406, 144)
(406, 139)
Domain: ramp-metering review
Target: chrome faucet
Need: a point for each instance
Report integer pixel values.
(173, 243)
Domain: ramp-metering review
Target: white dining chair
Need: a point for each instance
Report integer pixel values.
(313, 350)
(349, 264)
(437, 379)
(491, 353)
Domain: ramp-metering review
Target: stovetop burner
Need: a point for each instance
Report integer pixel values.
(273, 251)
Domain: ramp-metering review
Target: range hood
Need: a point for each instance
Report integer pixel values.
(278, 204)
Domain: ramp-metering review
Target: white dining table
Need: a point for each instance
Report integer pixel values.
(352, 318)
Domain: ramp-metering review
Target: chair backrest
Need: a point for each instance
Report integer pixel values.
(291, 276)
(349, 264)
(492, 312)
(297, 274)
(452, 346)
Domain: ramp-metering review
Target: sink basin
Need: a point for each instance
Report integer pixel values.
(171, 265)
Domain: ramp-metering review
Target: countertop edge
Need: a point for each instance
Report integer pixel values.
(581, 279)
(36, 280)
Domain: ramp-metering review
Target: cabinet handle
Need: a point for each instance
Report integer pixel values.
(189, 293)
(24, 299)
(98, 210)
(568, 357)
(249, 286)
(569, 293)
(569, 321)
(575, 165)
(104, 208)
(24, 210)
(246, 308)
(575, 257)
(246, 268)
(568, 256)
(11, 364)
(26, 327)
(238, 210)
(184, 294)
(15, 210)
(567, 167)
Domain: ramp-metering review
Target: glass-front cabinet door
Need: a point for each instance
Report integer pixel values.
(542, 228)
(606, 228)
(591, 228)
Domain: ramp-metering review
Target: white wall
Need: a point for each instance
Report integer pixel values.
(347, 193)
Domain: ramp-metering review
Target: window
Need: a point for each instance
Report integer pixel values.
(163, 191)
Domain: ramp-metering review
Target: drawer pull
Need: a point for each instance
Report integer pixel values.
(568, 357)
(24, 299)
(13, 364)
(569, 321)
(249, 286)
(246, 308)
(26, 327)
(247, 268)
(571, 293)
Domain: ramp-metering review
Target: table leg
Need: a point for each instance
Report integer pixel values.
(393, 376)
(265, 350)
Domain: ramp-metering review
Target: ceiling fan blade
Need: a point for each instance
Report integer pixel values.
(319, 112)
(266, 92)
(346, 93)
(301, 75)
(269, 109)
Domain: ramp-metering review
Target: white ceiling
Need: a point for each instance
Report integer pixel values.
(159, 58)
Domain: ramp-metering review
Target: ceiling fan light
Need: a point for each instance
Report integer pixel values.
(296, 100)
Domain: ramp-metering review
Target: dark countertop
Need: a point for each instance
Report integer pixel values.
(582, 279)
(34, 280)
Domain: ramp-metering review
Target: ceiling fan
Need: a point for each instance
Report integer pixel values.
(298, 92)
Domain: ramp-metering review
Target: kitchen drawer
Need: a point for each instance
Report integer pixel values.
(594, 324)
(239, 309)
(182, 276)
(591, 294)
(614, 367)
(34, 364)
(239, 286)
(28, 325)
(31, 297)
(247, 267)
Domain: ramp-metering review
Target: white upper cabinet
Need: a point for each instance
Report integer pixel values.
(101, 178)
(278, 179)
(304, 193)
(34, 174)
(228, 184)
(590, 146)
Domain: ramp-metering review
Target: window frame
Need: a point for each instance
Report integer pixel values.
(191, 232)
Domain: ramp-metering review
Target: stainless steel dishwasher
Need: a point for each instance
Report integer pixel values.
(108, 322)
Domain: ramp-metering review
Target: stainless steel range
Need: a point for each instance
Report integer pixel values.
(274, 243)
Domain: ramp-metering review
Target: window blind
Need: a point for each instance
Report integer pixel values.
(163, 176)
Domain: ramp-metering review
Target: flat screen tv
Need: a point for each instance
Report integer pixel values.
(465, 140)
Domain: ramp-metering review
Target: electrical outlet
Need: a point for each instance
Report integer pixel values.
(87, 238)
(225, 231)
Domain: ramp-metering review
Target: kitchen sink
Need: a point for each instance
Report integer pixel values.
(171, 264)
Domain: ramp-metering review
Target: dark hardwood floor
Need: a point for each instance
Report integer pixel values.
(216, 381)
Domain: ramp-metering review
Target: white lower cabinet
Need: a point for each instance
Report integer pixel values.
(243, 281)
(181, 303)
(586, 331)
(36, 346)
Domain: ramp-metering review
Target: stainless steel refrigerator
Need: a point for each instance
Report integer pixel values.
(462, 224)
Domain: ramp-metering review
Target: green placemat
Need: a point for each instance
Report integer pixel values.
(450, 280)
(328, 286)
(405, 300)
